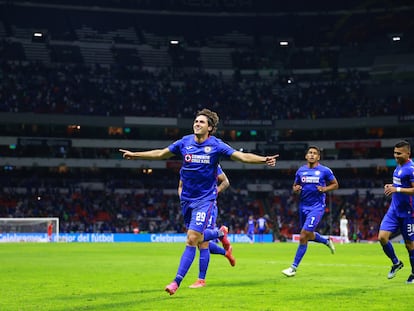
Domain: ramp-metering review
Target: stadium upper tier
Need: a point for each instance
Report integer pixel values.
(131, 91)
(340, 60)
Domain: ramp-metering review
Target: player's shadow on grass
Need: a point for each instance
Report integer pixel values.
(137, 300)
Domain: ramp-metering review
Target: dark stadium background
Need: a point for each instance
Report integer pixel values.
(80, 79)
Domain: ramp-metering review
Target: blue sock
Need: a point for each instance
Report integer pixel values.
(411, 255)
(320, 239)
(299, 254)
(251, 237)
(187, 259)
(216, 249)
(204, 261)
(389, 251)
(211, 234)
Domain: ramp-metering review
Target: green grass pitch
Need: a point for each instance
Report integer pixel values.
(132, 276)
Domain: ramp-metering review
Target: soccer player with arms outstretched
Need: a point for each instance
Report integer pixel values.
(200, 153)
(213, 248)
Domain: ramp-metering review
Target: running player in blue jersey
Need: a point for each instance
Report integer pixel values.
(400, 214)
(251, 228)
(212, 248)
(312, 181)
(261, 225)
(200, 153)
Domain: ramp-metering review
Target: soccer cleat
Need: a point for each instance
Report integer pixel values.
(410, 279)
(171, 288)
(394, 269)
(331, 245)
(199, 283)
(230, 257)
(289, 271)
(224, 240)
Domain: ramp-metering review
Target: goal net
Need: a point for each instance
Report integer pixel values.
(29, 229)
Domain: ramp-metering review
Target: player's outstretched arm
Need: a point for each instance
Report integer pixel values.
(247, 157)
(155, 154)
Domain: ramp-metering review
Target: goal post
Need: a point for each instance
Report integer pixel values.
(29, 229)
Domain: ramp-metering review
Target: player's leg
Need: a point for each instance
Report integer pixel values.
(410, 248)
(186, 261)
(346, 235)
(261, 232)
(389, 224)
(211, 232)
(216, 249)
(312, 221)
(221, 234)
(204, 258)
(204, 261)
(305, 235)
(407, 231)
(196, 218)
(250, 235)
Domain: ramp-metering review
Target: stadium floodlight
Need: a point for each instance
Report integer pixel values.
(395, 37)
(174, 42)
(38, 36)
(29, 229)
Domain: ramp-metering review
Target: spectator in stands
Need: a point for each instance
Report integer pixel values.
(56, 88)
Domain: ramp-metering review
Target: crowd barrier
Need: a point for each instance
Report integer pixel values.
(116, 237)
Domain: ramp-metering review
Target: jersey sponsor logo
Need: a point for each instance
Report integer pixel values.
(310, 179)
(196, 158)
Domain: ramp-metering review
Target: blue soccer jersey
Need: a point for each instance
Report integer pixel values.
(310, 179)
(214, 213)
(402, 204)
(251, 225)
(219, 172)
(400, 214)
(261, 225)
(199, 166)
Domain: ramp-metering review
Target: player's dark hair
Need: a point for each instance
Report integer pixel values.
(314, 147)
(212, 117)
(403, 143)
